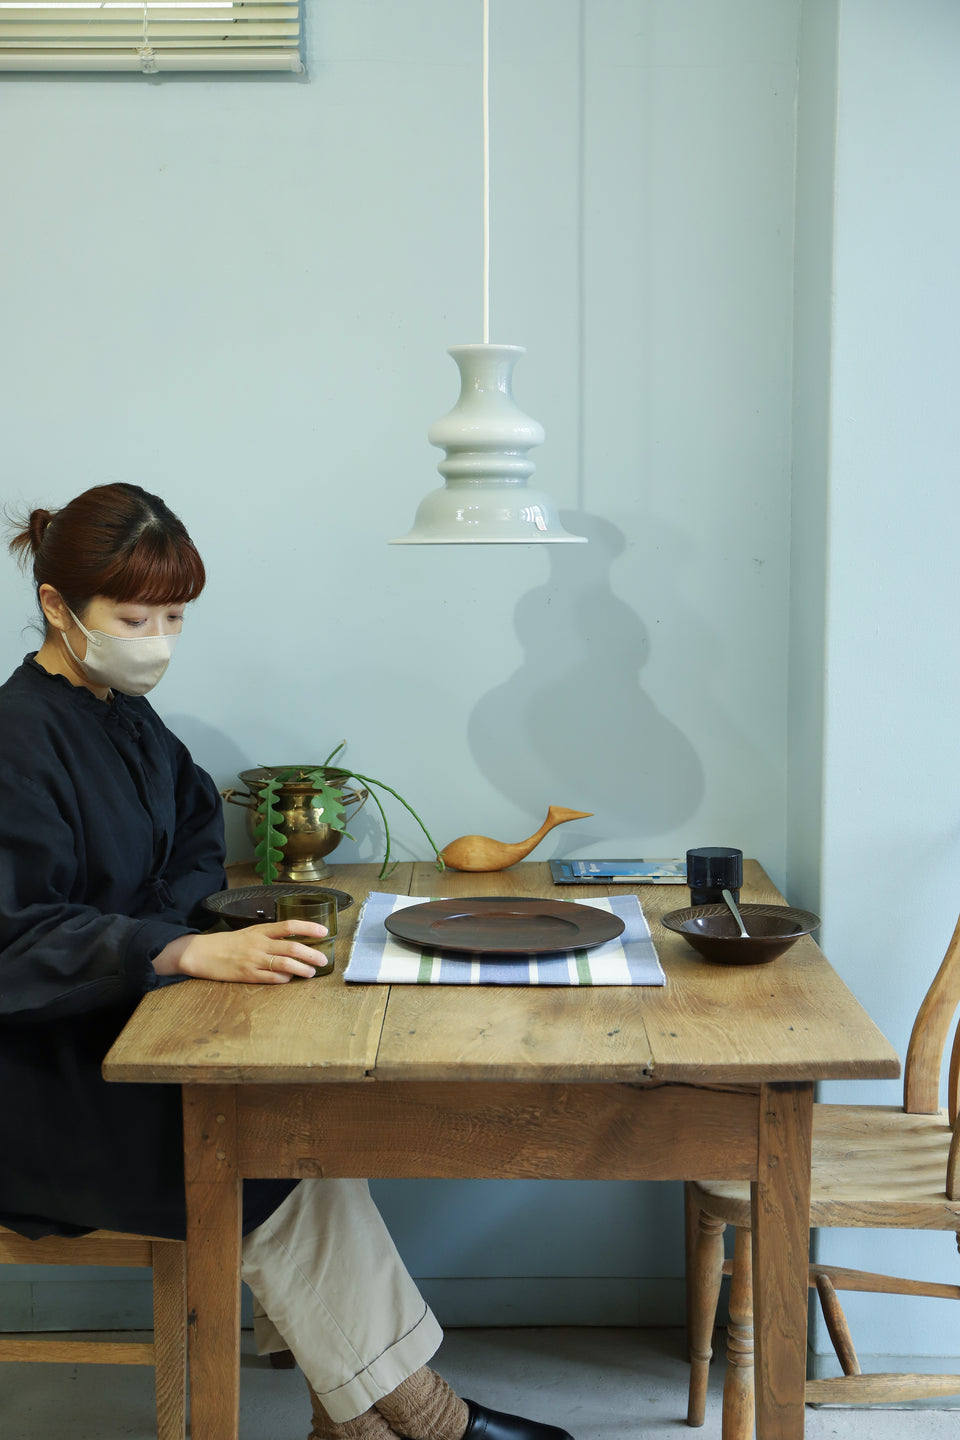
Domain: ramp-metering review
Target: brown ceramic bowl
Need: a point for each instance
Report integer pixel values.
(712, 930)
(257, 904)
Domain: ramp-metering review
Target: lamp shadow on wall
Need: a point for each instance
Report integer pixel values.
(574, 725)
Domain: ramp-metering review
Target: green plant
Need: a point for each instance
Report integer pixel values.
(328, 797)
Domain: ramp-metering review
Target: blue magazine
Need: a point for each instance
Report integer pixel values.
(619, 872)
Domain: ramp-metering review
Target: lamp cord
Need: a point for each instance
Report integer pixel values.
(486, 171)
(145, 52)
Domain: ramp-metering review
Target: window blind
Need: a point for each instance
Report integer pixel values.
(151, 37)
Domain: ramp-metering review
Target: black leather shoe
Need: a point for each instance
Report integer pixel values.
(495, 1425)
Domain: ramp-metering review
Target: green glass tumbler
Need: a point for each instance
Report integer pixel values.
(322, 910)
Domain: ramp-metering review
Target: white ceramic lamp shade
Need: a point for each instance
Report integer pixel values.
(486, 499)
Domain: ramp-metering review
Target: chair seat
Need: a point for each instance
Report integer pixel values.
(873, 1166)
(96, 1247)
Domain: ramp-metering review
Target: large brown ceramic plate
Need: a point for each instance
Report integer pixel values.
(503, 925)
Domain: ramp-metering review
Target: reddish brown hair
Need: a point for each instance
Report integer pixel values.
(114, 540)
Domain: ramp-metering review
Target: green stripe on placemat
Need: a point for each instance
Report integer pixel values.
(426, 968)
(583, 968)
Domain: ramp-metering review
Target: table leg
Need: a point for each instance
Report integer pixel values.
(781, 1247)
(214, 1213)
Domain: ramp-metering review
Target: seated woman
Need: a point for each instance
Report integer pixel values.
(110, 837)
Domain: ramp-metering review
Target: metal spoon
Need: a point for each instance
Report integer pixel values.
(735, 913)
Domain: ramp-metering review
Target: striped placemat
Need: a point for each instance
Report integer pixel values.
(377, 957)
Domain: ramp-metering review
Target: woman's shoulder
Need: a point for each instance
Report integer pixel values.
(33, 728)
(35, 718)
(24, 694)
(33, 693)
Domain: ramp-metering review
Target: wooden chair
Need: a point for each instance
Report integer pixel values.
(873, 1166)
(168, 1351)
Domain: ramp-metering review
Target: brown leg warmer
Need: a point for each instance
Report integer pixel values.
(371, 1425)
(423, 1407)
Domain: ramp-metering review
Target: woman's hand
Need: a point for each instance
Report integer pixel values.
(256, 955)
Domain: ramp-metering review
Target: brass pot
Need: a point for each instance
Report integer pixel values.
(309, 836)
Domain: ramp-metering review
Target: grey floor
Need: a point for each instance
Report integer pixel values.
(598, 1384)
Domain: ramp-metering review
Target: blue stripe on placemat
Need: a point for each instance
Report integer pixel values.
(458, 970)
(625, 907)
(554, 969)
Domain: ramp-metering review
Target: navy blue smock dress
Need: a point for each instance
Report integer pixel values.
(110, 836)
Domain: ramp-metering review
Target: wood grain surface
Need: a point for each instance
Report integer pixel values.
(780, 1244)
(496, 1130)
(214, 1205)
(204, 1032)
(874, 1166)
(791, 1020)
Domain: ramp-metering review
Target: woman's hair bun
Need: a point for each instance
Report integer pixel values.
(29, 535)
(36, 526)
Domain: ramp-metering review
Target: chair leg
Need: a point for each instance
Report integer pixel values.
(738, 1394)
(170, 1338)
(704, 1277)
(837, 1327)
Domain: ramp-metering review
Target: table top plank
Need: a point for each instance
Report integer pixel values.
(483, 1032)
(789, 1020)
(793, 1019)
(515, 1032)
(205, 1032)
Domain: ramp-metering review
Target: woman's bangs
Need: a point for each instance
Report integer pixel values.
(159, 571)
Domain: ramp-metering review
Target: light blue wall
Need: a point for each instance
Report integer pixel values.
(812, 343)
(891, 792)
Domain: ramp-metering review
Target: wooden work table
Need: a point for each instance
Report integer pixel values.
(709, 1077)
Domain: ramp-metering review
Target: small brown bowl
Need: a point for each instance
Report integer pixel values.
(712, 930)
(257, 904)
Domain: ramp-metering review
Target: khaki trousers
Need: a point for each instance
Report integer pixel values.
(329, 1285)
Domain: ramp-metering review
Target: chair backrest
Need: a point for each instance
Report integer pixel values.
(928, 1039)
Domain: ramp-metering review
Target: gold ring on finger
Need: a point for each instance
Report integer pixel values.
(272, 959)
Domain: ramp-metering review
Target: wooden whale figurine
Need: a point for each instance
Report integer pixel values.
(479, 852)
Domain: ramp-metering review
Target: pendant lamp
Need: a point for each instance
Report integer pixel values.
(486, 499)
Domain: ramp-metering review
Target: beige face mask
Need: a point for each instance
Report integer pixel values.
(131, 664)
